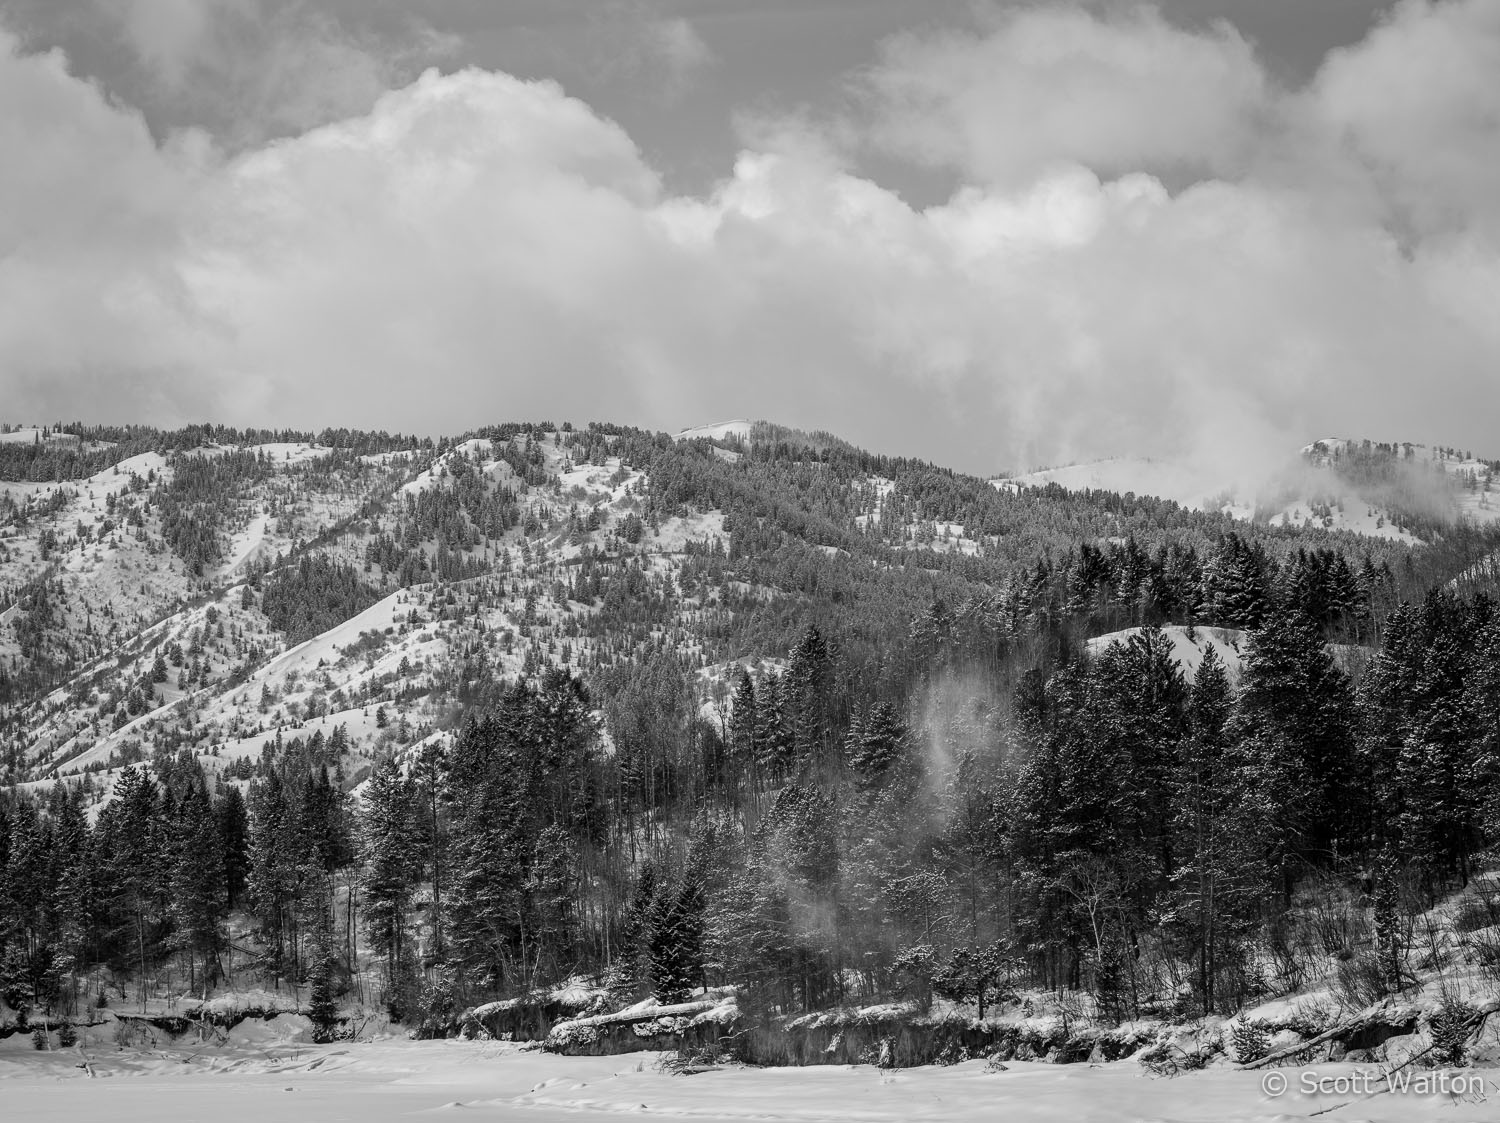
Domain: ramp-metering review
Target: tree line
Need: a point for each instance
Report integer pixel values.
(1107, 825)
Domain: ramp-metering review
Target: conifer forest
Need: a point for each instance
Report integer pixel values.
(765, 716)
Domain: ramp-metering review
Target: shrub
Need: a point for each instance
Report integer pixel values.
(1251, 1041)
(1166, 1059)
(1450, 1032)
(911, 974)
(1360, 980)
(1476, 911)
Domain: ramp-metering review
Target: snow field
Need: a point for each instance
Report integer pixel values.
(266, 1071)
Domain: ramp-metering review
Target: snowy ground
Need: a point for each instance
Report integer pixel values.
(262, 1074)
(1189, 485)
(722, 431)
(1228, 644)
(1306, 497)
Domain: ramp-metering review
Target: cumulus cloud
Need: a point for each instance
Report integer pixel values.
(475, 248)
(1036, 87)
(91, 213)
(1417, 104)
(257, 69)
(168, 36)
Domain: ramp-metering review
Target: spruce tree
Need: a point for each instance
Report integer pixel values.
(199, 888)
(744, 721)
(135, 865)
(390, 855)
(675, 941)
(1215, 883)
(1296, 720)
(234, 843)
(322, 1009)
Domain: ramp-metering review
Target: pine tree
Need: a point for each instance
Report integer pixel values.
(325, 825)
(1237, 584)
(1295, 718)
(487, 913)
(1215, 883)
(199, 887)
(71, 884)
(675, 940)
(743, 720)
(131, 826)
(878, 742)
(1425, 733)
(391, 870)
(774, 738)
(273, 882)
(234, 843)
(322, 1009)
(807, 690)
(25, 881)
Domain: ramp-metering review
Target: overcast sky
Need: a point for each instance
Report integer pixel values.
(994, 235)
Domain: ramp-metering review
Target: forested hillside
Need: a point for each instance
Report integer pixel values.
(423, 724)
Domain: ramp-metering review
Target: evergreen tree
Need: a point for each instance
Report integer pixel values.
(322, 1009)
(1216, 881)
(274, 880)
(200, 893)
(234, 843)
(391, 867)
(744, 722)
(808, 689)
(1295, 719)
(676, 941)
(877, 743)
(131, 827)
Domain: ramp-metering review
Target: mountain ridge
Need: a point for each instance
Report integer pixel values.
(494, 532)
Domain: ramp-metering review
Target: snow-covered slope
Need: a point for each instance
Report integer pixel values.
(1194, 487)
(1307, 492)
(233, 686)
(1188, 652)
(722, 431)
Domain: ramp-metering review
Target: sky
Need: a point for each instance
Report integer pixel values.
(995, 235)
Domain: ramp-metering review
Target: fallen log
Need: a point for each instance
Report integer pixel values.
(1472, 1026)
(1384, 1015)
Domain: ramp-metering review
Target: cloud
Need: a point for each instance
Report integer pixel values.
(474, 248)
(170, 36)
(677, 43)
(91, 213)
(1417, 104)
(631, 42)
(256, 69)
(1039, 87)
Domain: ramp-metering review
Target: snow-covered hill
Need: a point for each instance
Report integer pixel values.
(1188, 650)
(490, 557)
(724, 430)
(119, 599)
(1315, 490)
(1193, 486)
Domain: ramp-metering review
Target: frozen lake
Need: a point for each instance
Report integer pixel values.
(369, 1082)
